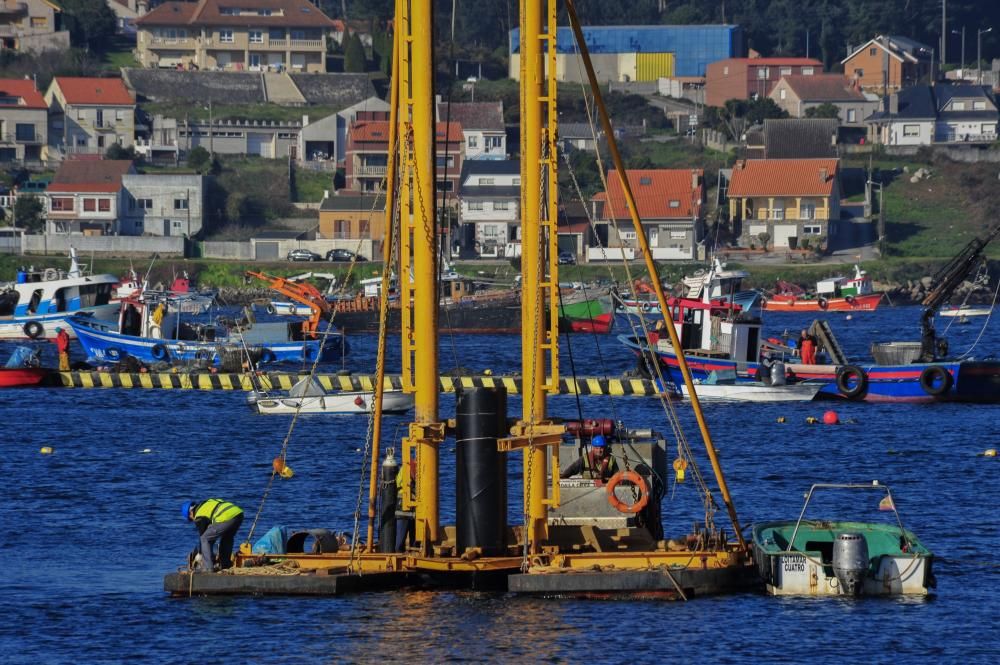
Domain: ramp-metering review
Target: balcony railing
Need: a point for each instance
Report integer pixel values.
(23, 139)
(371, 171)
(305, 43)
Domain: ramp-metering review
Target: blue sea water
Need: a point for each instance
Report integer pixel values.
(90, 531)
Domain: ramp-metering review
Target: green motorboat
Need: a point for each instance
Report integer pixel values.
(842, 558)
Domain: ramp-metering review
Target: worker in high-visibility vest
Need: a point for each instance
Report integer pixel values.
(216, 521)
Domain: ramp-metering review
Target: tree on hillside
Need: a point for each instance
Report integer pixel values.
(91, 23)
(29, 213)
(354, 54)
(116, 151)
(738, 114)
(201, 161)
(824, 110)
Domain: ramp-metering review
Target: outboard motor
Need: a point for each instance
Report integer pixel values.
(850, 562)
(778, 373)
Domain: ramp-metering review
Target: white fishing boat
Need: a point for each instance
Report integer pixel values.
(842, 558)
(308, 396)
(40, 301)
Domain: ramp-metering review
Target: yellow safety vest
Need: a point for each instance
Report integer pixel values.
(217, 510)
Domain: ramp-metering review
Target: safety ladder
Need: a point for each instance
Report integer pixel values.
(821, 330)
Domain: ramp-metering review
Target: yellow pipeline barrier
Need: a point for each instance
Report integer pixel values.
(336, 382)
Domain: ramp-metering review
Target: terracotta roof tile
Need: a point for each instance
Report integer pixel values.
(823, 88)
(784, 177)
(654, 191)
(370, 131)
(454, 134)
(106, 91)
(87, 175)
(289, 13)
(25, 95)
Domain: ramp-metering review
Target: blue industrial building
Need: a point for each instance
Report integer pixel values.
(693, 46)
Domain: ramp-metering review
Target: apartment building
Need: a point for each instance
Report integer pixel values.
(238, 35)
(24, 122)
(89, 115)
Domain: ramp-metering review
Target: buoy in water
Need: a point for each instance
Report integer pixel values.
(830, 418)
(282, 469)
(849, 317)
(812, 420)
(487, 372)
(992, 452)
(47, 450)
(781, 419)
(147, 450)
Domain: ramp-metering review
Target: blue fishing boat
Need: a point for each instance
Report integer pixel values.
(42, 300)
(153, 332)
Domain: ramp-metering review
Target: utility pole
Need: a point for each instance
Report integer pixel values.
(211, 144)
(944, 30)
(979, 53)
(962, 32)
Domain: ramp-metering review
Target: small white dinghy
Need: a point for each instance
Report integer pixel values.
(308, 396)
(965, 311)
(725, 386)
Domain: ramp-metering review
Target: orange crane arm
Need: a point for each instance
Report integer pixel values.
(300, 292)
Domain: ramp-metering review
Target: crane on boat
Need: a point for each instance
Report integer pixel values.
(943, 285)
(301, 292)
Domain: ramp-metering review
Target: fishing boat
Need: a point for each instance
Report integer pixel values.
(600, 324)
(720, 283)
(179, 295)
(718, 340)
(23, 369)
(842, 558)
(835, 294)
(153, 332)
(308, 397)
(42, 300)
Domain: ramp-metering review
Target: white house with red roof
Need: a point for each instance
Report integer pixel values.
(791, 200)
(670, 203)
(85, 196)
(89, 115)
(24, 122)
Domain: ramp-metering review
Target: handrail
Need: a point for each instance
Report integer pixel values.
(859, 486)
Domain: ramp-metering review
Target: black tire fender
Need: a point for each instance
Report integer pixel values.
(848, 374)
(159, 352)
(33, 329)
(823, 303)
(270, 309)
(936, 380)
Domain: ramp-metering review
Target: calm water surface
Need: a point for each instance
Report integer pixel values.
(90, 531)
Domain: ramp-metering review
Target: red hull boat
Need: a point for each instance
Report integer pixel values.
(600, 324)
(786, 303)
(22, 377)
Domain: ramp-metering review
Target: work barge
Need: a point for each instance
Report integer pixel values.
(585, 534)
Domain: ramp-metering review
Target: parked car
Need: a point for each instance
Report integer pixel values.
(303, 255)
(343, 255)
(566, 257)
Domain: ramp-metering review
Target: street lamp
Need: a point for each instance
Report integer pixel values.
(961, 32)
(979, 52)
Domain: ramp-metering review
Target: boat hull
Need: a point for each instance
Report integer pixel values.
(600, 324)
(101, 345)
(22, 377)
(866, 303)
(499, 318)
(332, 403)
(971, 381)
(16, 327)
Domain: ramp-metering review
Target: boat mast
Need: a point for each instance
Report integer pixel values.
(419, 298)
(640, 235)
(539, 209)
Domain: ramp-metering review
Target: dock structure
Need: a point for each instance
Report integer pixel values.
(592, 527)
(584, 385)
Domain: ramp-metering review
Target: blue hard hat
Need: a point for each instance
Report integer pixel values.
(598, 441)
(186, 509)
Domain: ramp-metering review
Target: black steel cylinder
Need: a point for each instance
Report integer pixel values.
(481, 471)
(387, 505)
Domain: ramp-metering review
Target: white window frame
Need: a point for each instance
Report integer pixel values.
(501, 205)
(226, 36)
(852, 115)
(473, 141)
(785, 71)
(476, 206)
(808, 71)
(180, 204)
(782, 94)
(674, 203)
(812, 230)
(911, 130)
(255, 36)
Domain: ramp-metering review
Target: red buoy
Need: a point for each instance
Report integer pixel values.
(830, 418)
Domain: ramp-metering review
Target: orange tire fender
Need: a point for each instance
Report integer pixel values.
(635, 479)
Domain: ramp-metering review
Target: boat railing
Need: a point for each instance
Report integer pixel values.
(874, 486)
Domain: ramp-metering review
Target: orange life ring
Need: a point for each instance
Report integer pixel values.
(635, 479)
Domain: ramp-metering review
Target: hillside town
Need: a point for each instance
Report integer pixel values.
(738, 152)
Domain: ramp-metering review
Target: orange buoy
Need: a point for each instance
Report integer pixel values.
(830, 418)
